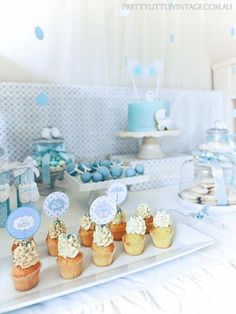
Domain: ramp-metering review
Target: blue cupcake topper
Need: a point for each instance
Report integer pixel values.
(117, 192)
(103, 210)
(23, 223)
(56, 204)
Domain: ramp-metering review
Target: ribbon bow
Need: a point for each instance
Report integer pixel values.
(28, 163)
(4, 167)
(213, 160)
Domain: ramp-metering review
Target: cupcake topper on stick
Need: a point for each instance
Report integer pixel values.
(103, 210)
(23, 223)
(117, 192)
(56, 204)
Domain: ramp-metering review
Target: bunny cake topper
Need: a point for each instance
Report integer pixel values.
(136, 69)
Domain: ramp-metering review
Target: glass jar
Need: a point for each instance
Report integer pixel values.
(218, 140)
(212, 182)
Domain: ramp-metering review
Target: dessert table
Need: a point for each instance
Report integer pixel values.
(202, 282)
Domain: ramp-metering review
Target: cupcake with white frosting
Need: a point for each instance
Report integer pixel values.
(69, 258)
(118, 225)
(26, 265)
(16, 243)
(56, 228)
(144, 211)
(134, 238)
(103, 247)
(86, 230)
(162, 232)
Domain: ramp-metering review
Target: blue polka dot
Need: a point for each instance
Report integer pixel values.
(171, 38)
(39, 32)
(42, 100)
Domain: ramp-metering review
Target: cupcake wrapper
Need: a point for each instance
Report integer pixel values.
(117, 235)
(149, 226)
(52, 249)
(86, 239)
(28, 282)
(103, 259)
(162, 242)
(135, 248)
(70, 271)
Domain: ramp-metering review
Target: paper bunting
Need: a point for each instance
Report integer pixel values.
(152, 69)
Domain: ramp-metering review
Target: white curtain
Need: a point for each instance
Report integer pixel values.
(87, 42)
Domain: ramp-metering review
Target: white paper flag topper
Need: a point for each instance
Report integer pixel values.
(103, 210)
(118, 192)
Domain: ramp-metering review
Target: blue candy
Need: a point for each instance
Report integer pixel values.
(96, 164)
(116, 172)
(130, 172)
(104, 172)
(139, 169)
(82, 166)
(97, 177)
(86, 177)
(105, 163)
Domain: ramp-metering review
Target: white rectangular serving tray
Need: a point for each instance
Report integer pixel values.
(94, 186)
(186, 241)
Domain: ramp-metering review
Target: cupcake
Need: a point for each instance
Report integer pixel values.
(26, 265)
(57, 227)
(134, 237)
(86, 230)
(162, 232)
(16, 243)
(69, 256)
(118, 225)
(103, 247)
(144, 212)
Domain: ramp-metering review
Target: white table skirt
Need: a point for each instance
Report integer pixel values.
(203, 282)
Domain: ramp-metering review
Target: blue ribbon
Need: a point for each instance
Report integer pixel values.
(213, 161)
(45, 152)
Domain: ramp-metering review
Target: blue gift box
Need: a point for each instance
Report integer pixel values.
(52, 158)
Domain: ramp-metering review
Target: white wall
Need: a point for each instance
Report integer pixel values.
(86, 42)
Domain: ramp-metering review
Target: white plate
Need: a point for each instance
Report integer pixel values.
(214, 209)
(186, 241)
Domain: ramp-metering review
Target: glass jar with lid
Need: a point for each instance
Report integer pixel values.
(212, 180)
(218, 140)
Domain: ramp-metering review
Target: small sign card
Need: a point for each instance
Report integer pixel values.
(56, 204)
(23, 223)
(118, 192)
(103, 210)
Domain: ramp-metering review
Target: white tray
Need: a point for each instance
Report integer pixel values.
(186, 241)
(95, 186)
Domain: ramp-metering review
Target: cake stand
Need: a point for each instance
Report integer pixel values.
(150, 148)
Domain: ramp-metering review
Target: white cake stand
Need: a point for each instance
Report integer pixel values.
(150, 148)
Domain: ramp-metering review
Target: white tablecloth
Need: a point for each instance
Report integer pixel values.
(203, 282)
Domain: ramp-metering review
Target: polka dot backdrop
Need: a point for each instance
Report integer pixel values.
(88, 117)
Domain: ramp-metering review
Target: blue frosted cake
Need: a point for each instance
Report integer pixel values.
(141, 115)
